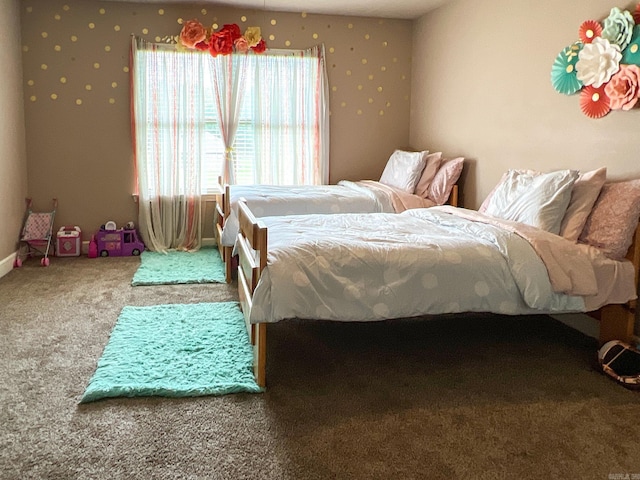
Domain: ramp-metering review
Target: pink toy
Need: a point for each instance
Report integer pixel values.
(69, 241)
(118, 243)
(93, 247)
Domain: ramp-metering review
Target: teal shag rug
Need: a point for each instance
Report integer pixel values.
(180, 350)
(173, 267)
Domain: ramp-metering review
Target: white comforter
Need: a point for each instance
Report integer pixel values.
(365, 196)
(357, 267)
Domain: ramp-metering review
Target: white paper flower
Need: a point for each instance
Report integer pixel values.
(618, 27)
(597, 62)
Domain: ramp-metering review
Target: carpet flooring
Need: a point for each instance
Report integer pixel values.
(454, 397)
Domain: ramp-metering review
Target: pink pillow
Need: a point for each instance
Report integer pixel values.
(447, 176)
(583, 197)
(431, 168)
(614, 219)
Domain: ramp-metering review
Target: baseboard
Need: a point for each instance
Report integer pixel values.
(6, 265)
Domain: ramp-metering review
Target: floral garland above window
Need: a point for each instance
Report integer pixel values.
(603, 65)
(228, 39)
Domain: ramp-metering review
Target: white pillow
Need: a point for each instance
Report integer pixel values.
(537, 199)
(404, 169)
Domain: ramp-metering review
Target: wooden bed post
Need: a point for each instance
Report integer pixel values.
(252, 238)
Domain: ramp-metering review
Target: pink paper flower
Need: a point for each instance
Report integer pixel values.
(233, 29)
(260, 47)
(193, 32)
(221, 43)
(623, 89)
(241, 45)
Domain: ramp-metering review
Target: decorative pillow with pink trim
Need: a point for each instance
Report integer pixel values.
(614, 219)
(403, 170)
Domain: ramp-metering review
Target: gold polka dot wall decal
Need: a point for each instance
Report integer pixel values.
(315, 35)
(370, 77)
(303, 14)
(360, 87)
(403, 77)
(243, 18)
(145, 30)
(179, 20)
(92, 25)
(343, 104)
(379, 89)
(388, 104)
(395, 60)
(44, 66)
(364, 61)
(215, 26)
(102, 11)
(112, 101)
(44, 34)
(96, 65)
(125, 69)
(334, 88)
(74, 38)
(63, 79)
(359, 112)
(349, 73)
(65, 8)
(203, 11)
(287, 43)
(78, 101)
(367, 36)
(332, 50)
(88, 87)
(381, 112)
(114, 84)
(54, 96)
(272, 37)
(33, 98)
(370, 100)
(107, 48)
(158, 39)
(161, 11)
(384, 44)
(383, 68)
(57, 17)
(350, 25)
(273, 21)
(116, 28)
(31, 83)
(57, 48)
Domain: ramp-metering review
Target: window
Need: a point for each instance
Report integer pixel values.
(281, 129)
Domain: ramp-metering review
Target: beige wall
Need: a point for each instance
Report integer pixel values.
(481, 88)
(13, 160)
(76, 55)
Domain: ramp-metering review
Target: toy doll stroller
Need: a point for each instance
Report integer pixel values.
(36, 235)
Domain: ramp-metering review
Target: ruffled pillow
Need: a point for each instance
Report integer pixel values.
(614, 219)
(403, 170)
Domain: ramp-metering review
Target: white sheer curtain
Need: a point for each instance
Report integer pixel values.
(290, 103)
(168, 115)
(228, 73)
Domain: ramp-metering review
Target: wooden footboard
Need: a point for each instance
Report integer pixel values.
(617, 322)
(223, 210)
(252, 259)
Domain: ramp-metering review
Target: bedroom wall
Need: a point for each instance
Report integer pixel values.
(76, 57)
(481, 88)
(13, 159)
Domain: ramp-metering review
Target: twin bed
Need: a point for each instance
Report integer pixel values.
(438, 260)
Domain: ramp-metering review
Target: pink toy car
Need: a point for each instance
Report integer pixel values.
(118, 243)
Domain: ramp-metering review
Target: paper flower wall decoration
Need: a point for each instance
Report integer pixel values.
(225, 41)
(603, 65)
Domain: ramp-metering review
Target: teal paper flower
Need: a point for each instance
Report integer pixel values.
(563, 71)
(631, 54)
(618, 27)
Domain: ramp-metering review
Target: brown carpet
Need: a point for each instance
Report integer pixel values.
(458, 397)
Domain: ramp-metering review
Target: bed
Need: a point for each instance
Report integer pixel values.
(430, 261)
(410, 180)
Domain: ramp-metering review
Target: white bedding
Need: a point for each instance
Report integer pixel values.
(363, 267)
(366, 196)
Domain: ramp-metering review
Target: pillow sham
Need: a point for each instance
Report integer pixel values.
(613, 219)
(483, 207)
(537, 199)
(444, 180)
(583, 197)
(432, 164)
(403, 170)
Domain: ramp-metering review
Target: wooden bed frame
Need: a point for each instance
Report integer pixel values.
(616, 321)
(223, 209)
